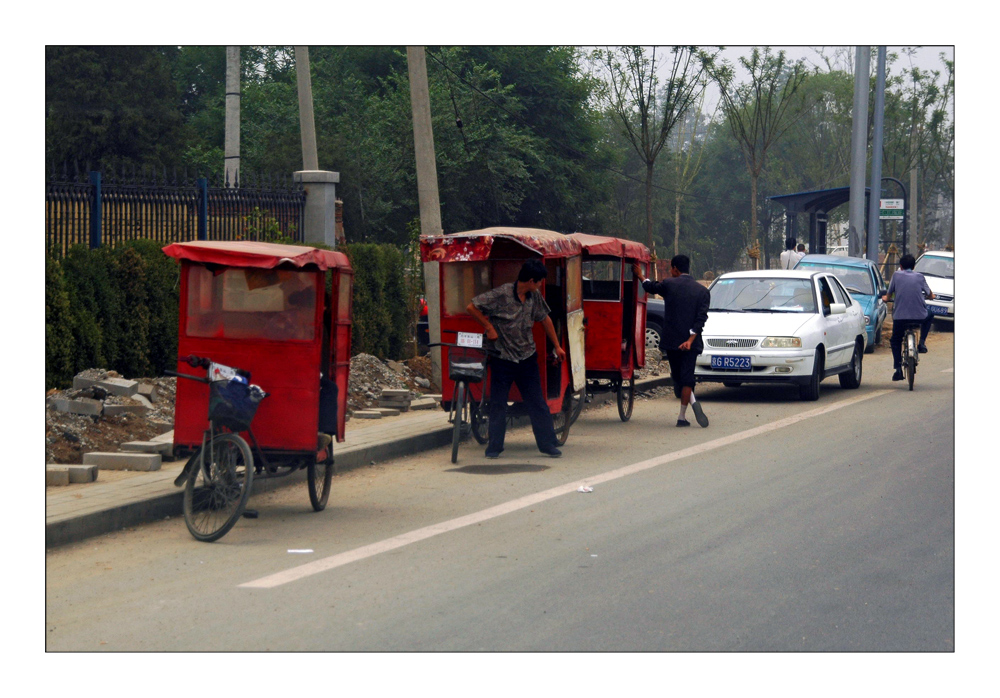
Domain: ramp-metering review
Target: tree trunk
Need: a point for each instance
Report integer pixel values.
(753, 216)
(649, 207)
(677, 224)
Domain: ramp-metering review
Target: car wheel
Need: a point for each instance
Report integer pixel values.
(852, 379)
(810, 391)
(653, 335)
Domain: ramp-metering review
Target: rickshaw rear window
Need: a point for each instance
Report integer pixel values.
(573, 287)
(602, 279)
(251, 304)
(463, 281)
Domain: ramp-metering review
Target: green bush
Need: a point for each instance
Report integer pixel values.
(58, 338)
(118, 308)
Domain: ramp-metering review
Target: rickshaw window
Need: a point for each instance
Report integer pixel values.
(629, 277)
(251, 304)
(344, 297)
(463, 281)
(602, 279)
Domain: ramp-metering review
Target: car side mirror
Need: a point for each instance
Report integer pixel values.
(837, 308)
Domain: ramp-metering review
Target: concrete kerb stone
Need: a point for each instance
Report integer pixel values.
(83, 405)
(119, 386)
(123, 461)
(74, 474)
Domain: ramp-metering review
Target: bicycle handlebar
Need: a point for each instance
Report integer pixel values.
(188, 376)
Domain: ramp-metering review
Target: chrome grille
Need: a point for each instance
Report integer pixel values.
(943, 297)
(734, 343)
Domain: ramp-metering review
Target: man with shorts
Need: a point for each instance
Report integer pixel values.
(908, 288)
(685, 304)
(508, 313)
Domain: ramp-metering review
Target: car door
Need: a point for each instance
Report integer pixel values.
(834, 325)
(854, 320)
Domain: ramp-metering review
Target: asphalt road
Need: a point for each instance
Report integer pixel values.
(784, 526)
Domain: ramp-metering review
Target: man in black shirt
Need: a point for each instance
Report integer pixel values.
(685, 304)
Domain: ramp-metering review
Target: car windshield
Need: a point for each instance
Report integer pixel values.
(936, 266)
(762, 294)
(854, 278)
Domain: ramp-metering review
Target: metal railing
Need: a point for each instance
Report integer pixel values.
(91, 208)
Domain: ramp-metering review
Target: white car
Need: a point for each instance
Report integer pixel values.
(938, 267)
(778, 326)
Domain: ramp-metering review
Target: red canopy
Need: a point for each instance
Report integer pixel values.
(475, 245)
(614, 247)
(263, 255)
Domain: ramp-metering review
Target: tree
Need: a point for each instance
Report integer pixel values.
(687, 161)
(646, 113)
(112, 105)
(759, 111)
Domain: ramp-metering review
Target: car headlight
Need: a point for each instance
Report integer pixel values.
(781, 343)
(868, 320)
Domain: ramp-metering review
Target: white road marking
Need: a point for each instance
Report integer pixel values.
(382, 546)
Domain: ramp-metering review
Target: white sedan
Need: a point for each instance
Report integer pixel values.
(777, 326)
(938, 268)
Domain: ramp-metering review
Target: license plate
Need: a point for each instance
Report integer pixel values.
(738, 362)
(470, 339)
(938, 310)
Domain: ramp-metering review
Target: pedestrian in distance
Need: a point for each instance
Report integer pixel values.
(508, 313)
(685, 304)
(800, 250)
(908, 289)
(789, 258)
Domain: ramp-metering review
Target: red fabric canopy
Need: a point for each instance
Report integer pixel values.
(614, 247)
(475, 245)
(263, 255)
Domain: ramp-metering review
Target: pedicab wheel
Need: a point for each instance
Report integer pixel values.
(572, 406)
(214, 503)
(320, 475)
(626, 398)
(458, 403)
(480, 419)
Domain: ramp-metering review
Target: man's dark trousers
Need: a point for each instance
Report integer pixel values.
(528, 380)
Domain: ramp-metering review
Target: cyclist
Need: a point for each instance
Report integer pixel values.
(508, 314)
(909, 310)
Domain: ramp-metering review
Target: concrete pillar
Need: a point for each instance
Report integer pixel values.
(427, 193)
(307, 122)
(232, 148)
(859, 149)
(319, 221)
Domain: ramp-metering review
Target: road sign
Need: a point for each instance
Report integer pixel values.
(890, 209)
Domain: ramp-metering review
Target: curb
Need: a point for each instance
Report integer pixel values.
(116, 518)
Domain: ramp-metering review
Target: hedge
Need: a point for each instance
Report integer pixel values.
(117, 308)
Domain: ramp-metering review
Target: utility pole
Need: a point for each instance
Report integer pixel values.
(859, 143)
(876, 185)
(232, 151)
(307, 122)
(427, 194)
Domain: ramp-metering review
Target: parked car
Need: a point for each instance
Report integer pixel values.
(656, 320)
(863, 281)
(776, 326)
(938, 267)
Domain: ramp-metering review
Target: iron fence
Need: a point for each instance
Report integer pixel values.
(93, 208)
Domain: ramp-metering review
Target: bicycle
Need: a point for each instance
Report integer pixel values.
(219, 475)
(468, 363)
(910, 355)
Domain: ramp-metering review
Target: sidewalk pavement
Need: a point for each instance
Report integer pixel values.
(74, 513)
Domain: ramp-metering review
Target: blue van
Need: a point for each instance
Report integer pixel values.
(863, 281)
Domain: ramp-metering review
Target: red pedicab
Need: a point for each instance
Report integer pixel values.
(477, 261)
(282, 315)
(614, 305)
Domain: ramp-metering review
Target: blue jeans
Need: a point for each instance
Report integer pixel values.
(529, 381)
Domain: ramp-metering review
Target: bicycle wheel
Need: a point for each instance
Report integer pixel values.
(563, 420)
(320, 474)
(458, 405)
(216, 493)
(911, 359)
(626, 397)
